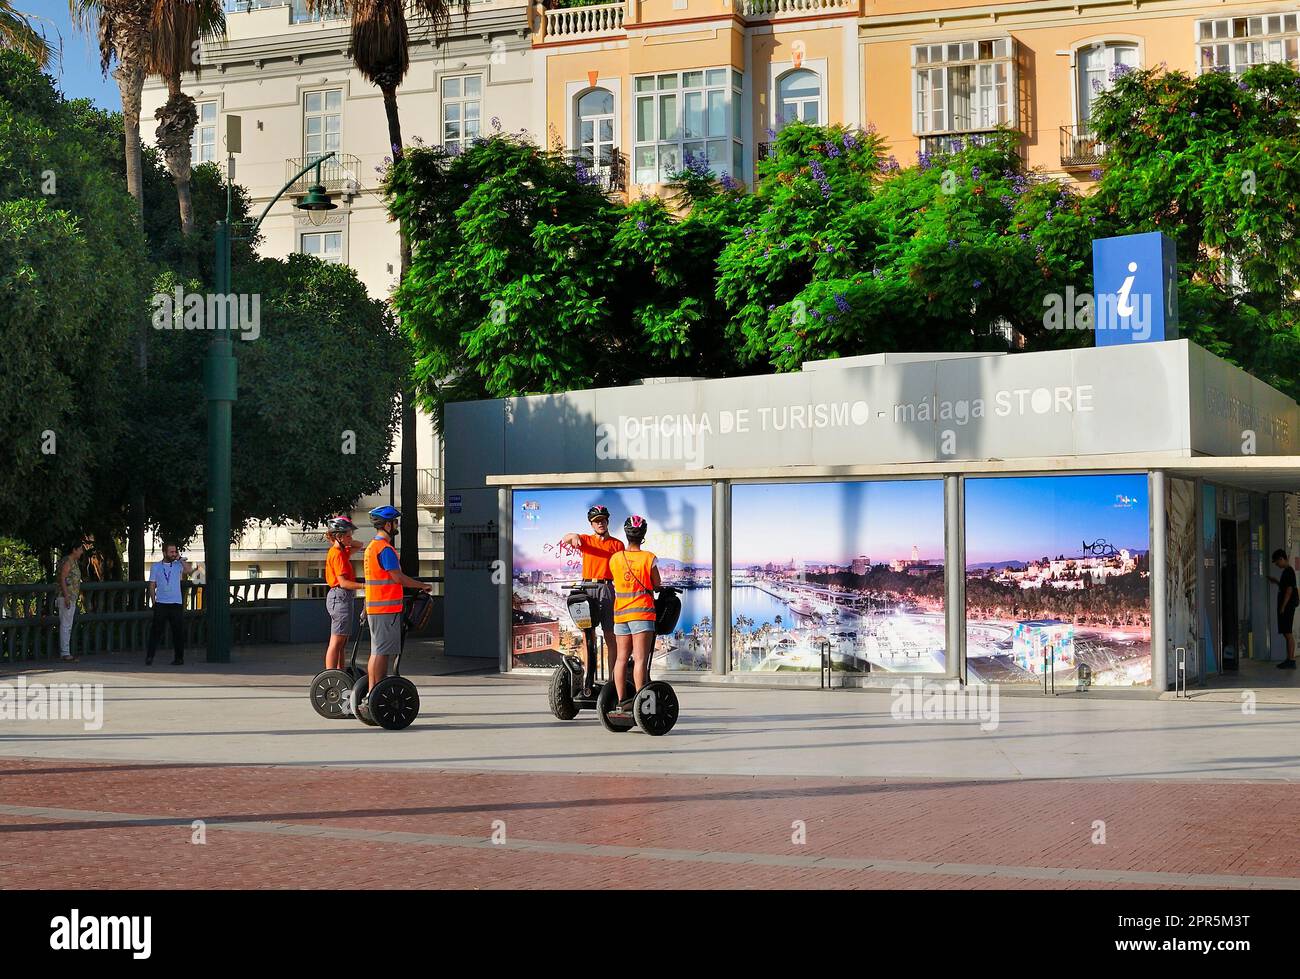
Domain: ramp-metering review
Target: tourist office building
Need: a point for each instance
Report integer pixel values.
(988, 518)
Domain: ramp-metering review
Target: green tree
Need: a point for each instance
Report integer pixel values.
(73, 275)
(1211, 161)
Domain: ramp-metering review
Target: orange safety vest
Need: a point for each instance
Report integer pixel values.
(634, 599)
(383, 595)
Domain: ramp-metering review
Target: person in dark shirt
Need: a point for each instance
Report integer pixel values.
(1287, 600)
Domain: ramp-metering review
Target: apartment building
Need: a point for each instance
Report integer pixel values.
(287, 74)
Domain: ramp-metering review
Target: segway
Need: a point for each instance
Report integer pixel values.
(394, 703)
(565, 692)
(655, 707)
(330, 689)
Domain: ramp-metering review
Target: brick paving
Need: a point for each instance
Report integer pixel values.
(721, 831)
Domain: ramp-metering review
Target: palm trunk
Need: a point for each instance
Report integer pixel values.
(410, 484)
(176, 122)
(130, 82)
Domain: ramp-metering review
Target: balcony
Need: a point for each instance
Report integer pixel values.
(1080, 148)
(783, 9)
(339, 174)
(941, 144)
(611, 175)
(571, 23)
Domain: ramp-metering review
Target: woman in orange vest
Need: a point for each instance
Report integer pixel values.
(342, 583)
(636, 578)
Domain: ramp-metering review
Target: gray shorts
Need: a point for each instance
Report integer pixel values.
(338, 603)
(385, 633)
(602, 604)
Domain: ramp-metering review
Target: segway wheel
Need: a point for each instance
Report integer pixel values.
(394, 703)
(330, 694)
(359, 691)
(605, 703)
(655, 708)
(560, 695)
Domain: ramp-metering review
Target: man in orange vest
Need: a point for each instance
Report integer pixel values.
(384, 583)
(597, 548)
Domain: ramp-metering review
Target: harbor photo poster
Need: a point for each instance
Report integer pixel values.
(545, 570)
(1058, 579)
(851, 570)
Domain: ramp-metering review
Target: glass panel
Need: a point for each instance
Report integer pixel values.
(667, 82)
(922, 55)
(717, 113)
(471, 127)
(692, 152)
(737, 80)
(586, 131)
(810, 113)
(451, 88)
(451, 112)
(331, 124)
(607, 130)
(1206, 28)
(669, 128)
(471, 111)
(670, 161)
(646, 83)
(735, 114)
(473, 84)
(693, 79)
(737, 160)
(596, 103)
(717, 76)
(334, 242)
(1289, 21)
(717, 155)
(313, 101)
(313, 125)
(799, 84)
(645, 120)
(209, 111)
(334, 100)
(311, 244)
(694, 114)
(332, 142)
(450, 132)
(645, 164)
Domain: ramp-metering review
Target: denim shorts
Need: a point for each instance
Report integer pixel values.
(634, 627)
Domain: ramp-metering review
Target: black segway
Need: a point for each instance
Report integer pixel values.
(394, 703)
(565, 692)
(330, 689)
(655, 707)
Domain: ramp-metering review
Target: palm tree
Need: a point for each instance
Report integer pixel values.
(380, 47)
(177, 28)
(16, 32)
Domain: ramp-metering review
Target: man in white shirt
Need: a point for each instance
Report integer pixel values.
(165, 579)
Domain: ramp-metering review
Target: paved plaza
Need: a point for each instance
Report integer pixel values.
(753, 788)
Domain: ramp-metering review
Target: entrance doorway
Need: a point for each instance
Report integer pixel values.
(1230, 606)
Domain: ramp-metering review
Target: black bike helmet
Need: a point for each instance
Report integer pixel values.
(634, 528)
(597, 511)
(339, 525)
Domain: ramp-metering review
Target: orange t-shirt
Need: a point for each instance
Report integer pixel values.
(595, 556)
(338, 564)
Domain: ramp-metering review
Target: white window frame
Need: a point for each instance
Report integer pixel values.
(461, 142)
(323, 115)
(304, 233)
(1279, 30)
(196, 138)
(963, 53)
(1076, 74)
(733, 163)
(577, 147)
(818, 66)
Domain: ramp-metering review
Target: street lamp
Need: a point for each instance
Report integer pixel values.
(220, 385)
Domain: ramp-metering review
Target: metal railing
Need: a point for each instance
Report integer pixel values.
(593, 21)
(338, 174)
(1080, 147)
(610, 175)
(941, 144)
(112, 615)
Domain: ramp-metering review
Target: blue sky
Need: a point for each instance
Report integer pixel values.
(76, 72)
(1024, 518)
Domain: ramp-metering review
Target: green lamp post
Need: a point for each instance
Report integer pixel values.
(220, 383)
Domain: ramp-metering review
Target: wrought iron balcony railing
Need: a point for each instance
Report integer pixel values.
(341, 174)
(610, 174)
(1080, 147)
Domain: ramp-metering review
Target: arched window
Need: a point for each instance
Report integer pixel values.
(1099, 65)
(798, 97)
(596, 127)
